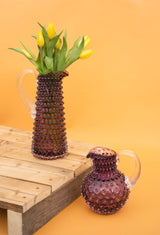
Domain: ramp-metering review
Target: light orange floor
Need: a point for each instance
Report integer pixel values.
(111, 99)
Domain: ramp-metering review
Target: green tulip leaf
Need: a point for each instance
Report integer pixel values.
(75, 46)
(38, 57)
(38, 60)
(34, 37)
(62, 56)
(38, 68)
(44, 52)
(49, 63)
(21, 52)
(75, 54)
(28, 50)
(65, 34)
(18, 50)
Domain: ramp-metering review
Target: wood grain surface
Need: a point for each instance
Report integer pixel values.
(34, 190)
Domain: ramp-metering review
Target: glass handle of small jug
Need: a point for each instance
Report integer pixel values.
(131, 180)
(28, 103)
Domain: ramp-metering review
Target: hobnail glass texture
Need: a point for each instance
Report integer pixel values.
(104, 188)
(49, 139)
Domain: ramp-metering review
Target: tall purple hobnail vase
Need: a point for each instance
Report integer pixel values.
(49, 139)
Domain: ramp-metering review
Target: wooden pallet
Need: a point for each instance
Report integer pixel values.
(34, 190)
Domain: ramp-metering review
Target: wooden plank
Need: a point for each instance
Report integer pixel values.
(11, 134)
(15, 224)
(14, 187)
(71, 162)
(33, 172)
(64, 163)
(12, 129)
(39, 190)
(25, 138)
(16, 201)
(6, 146)
(41, 213)
(37, 164)
(77, 152)
(79, 148)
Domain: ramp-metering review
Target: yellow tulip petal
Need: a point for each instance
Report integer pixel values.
(40, 39)
(58, 44)
(51, 31)
(86, 42)
(85, 54)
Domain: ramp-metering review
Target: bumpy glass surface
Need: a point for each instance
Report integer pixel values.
(104, 188)
(49, 135)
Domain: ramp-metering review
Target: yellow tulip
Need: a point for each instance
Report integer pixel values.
(85, 54)
(86, 42)
(26, 53)
(58, 44)
(40, 39)
(50, 31)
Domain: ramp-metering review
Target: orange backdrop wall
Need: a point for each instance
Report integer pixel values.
(111, 99)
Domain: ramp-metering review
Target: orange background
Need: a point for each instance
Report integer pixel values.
(111, 99)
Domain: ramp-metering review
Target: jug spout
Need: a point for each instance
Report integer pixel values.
(104, 159)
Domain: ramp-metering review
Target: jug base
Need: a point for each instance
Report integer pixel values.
(52, 157)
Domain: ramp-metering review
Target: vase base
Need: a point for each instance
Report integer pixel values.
(54, 157)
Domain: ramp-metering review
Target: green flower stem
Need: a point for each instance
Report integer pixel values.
(41, 57)
(32, 61)
(55, 59)
(70, 63)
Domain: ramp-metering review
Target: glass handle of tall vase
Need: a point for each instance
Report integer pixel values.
(27, 102)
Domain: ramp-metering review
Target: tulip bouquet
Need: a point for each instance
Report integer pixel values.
(52, 50)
